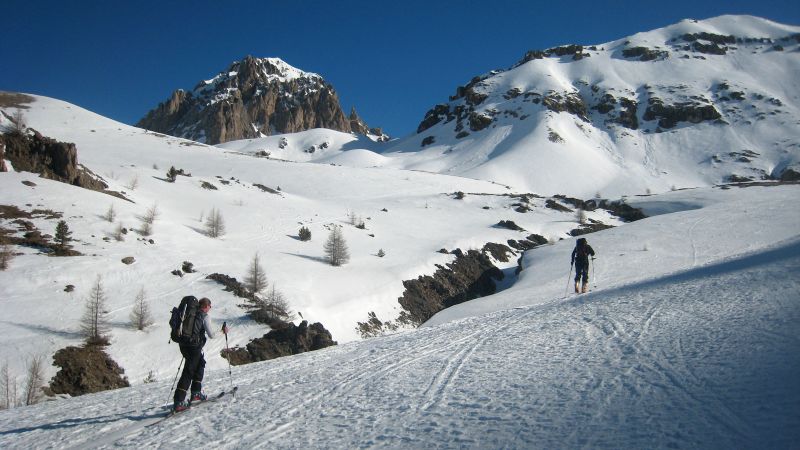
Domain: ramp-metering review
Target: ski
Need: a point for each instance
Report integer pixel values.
(198, 405)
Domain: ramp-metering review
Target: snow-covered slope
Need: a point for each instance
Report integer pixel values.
(421, 218)
(688, 340)
(692, 104)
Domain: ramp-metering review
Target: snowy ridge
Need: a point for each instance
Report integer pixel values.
(668, 113)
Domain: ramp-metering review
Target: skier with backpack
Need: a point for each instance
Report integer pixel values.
(580, 258)
(190, 325)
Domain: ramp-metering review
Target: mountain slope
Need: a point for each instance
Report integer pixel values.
(692, 104)
(704, 356)
(410, 215)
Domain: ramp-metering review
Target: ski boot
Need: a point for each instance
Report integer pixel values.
(180, 407)
(197, 397)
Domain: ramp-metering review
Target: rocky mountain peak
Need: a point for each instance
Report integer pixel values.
(254, 97)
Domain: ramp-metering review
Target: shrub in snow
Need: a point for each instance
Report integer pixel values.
(110, 214)
(304, 234)
(188, 267)
(172, 174)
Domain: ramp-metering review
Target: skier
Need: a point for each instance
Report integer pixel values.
(580, 258)
(195, 363)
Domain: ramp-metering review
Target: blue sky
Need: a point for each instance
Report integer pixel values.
(391, 60)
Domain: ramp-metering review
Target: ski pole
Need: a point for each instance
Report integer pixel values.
(228, 355)
(593, 278)
(176, 379)
(566, 291)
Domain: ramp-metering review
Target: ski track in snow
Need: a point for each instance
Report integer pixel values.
(702, 358)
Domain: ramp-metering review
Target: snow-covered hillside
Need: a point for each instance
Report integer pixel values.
(421, 217)
(692, 104)
(689, 339)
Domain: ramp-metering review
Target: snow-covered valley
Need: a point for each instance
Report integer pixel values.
(687, 338)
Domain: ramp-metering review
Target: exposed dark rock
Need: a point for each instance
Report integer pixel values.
(552, 204)
(51, 159)
(711, 37)
(128, 260)
(289, 340)
(576, 51)
(478, 121)
(69, 288)
(470, 276)
(570, 102)
(85, 370)
(669, 115)
(532, 241)
(428, 140)
(645, 54)
(791, 174)
(589, 228)
(252, 91)
(620, 209)
(509, 224)
(709, 49)
(628, 114)
(499, 252)
(231, 285)
(434, 116)
(266, 189)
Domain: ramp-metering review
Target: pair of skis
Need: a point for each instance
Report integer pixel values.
(213, 399)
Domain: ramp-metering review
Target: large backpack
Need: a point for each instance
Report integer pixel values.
(182, 321)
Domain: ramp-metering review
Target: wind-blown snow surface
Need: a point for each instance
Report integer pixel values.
(688, 340)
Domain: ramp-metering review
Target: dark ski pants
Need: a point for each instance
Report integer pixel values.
(194, 366)
(582, 271)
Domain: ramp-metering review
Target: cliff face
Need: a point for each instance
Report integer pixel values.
(253, 98)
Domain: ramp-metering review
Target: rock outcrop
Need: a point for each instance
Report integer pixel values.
(51, 159)
(255, 97)
(289, 340)
(470, 276)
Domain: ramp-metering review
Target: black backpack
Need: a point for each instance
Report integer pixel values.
(182, 321)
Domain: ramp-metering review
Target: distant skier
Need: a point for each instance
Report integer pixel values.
(580, 258)
(195, 363)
